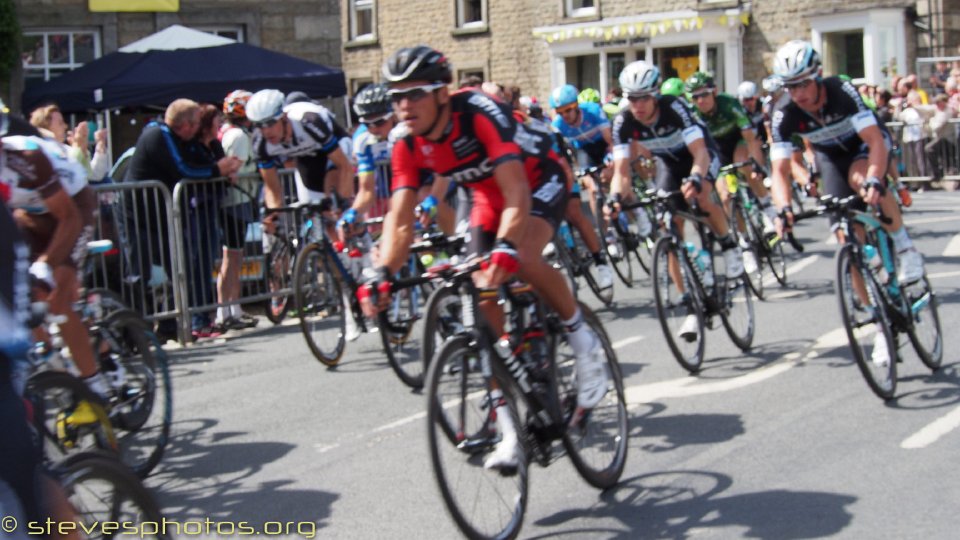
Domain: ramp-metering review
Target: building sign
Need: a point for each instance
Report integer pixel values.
(149, 6)
(620, 42)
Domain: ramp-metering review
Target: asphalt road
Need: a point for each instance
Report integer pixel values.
(785, 441)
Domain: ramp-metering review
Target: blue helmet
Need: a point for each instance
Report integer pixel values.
(563, 95)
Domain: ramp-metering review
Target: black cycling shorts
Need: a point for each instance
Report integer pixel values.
(835, 171)
(233, 223)
(670, 175)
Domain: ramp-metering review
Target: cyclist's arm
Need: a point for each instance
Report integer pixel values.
(621, 174)
(446, 215)
(272, 190)
(345, 168)
(69, 225)
(780, 176)
(754, 145)
(366, 191)
(398, 229)
(701, 157)
(877, 158)
(512, 181)
(608, 137)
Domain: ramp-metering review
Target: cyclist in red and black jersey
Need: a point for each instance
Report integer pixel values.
(519, 194)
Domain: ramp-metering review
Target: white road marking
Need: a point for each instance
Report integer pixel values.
(924, 221)
(324, 448)
(953, 248)
(793, 269)
(933, 431)
(626, 341)
(941, 275)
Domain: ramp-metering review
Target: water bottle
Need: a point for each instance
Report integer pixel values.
(875, 262)
(703, 261)
(565, 234)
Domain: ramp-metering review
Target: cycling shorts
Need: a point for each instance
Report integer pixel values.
(592, 154)
(548, 200)
(38, 229)
(835, 172)
(233, 222)
(670, 175)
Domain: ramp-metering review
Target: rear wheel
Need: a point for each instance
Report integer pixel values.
(736, 312)
(442, 320)
(279, 275)
(925, 333)
(396, 325)
(775, 257)
(320, 305)
(868, 329)
(678, 311)
(750, 240)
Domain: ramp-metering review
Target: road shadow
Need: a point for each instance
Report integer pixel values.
(728, 367)
(681, 504)
(203, 471)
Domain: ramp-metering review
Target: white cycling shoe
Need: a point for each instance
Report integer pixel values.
(506, 455)
(604, 276)
(733, 258)
(750, 265)
(911, 266)
(880, 355)
(644, 227)
(689, 328)
(592, 381)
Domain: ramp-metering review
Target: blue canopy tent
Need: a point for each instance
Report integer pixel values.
(157, 77)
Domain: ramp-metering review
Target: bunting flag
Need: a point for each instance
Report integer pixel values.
(607, 32)
(134, 6)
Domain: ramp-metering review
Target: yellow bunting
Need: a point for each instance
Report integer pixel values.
(699, 23)
(677, 24)
(578, 32)
(722, 20)
(745, 19)
(686, 24)
(608, 34)
(653, 31)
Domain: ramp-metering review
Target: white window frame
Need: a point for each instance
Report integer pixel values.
(571, 11)
(872, 22)
(221, 29)
(461, 11)
(356, 6)
(72, 64)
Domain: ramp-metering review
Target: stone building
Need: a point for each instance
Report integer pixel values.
(540, 44)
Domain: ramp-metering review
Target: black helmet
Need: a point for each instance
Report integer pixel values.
(420, 63)
(372, 100)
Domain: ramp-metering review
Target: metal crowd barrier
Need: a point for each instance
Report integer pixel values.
(921, 159)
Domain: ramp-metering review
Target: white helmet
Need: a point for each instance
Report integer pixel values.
(747, 90)
(640, 78)
(265, 105)
(772, 84)
(796, 61)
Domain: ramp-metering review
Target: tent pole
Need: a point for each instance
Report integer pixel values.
(346, 111)
(106, 115)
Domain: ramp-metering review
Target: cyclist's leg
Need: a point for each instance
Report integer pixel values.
(717, 221)
(835, 173)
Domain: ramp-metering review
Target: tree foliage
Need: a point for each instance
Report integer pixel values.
(9, 38)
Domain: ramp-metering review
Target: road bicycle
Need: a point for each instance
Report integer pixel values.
(705, 293)
(534, 368)
(875, 307)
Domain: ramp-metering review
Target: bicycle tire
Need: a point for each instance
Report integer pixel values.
(642, 247)
(798, 195)
(741, 332)
(91, 480)
(278, 263)
(670, 304)
(403, 355)
(458, 444)
(605, 427)
(583, 261)
(922, 300)
(856, 316)
(776, 257)
(751, 239)
(320, 306)
(140, 377)
(442, 319)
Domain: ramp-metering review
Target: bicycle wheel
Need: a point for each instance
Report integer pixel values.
(442, 319)
(320, 304)
(674, 308)
(102, 491)
(868, 328)
(68, 416)
(736, 312)
(775, 256)
(642, 247)
(925, 333)
(141, 406)
(798, 195)
(396, 325)
(461, 430)
(750, 240)
(583, 265)
(598, 444)
(279, 268)
(616, 249)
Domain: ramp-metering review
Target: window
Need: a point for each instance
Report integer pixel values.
(361, 19)
(580, 8)
(583, 71)
(471, 13)
(357, 85)
(230, 32)
(467, 73)
(843, 53)
(615, 64)
(48, 54)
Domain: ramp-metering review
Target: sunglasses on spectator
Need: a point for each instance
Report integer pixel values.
(798, 85)
(414, 93)
(266, 123)
(700, 95)
(640, 97)
(567, 108)
(376, 122)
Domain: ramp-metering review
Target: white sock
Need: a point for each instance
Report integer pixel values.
(504, 421)
(222, 314)
(901, 240)
(98, 384)
(578, 334)
(236, 311)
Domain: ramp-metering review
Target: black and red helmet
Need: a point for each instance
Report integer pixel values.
(419, 63)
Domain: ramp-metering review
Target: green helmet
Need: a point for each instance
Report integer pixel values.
(589, 95)
(844, 77)
(672, 87)
(697, 81)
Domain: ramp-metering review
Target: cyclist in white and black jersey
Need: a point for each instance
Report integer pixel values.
(851, 148)
(302, 135)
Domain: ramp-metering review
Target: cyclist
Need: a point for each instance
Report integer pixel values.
(852, 150)
(749, 96)
(685, 154)
(305, 136)
(519, 193)
(673, 87)
(372, 150)
(732, 129)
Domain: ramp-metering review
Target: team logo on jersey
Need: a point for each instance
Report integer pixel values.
(490, 107)
(472, 174)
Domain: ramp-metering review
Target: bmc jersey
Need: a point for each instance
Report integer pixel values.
(481, 134)
(835, 134)
(313, 139)
(588, 131)
(27, 176)
(667, 139)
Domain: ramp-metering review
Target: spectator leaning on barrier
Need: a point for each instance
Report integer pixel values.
(236, 209)
(941, 150)
(164, 152)
(914, 117)
(938, 80)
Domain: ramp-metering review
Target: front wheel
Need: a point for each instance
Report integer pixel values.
(597, 445)
(396, 326)
(925, 333)
(736, 312)
(750, 237)
(320, 304)
(279, 268)
(868, 329)
(462, 431)
(680, 311)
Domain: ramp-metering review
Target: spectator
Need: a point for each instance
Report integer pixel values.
(471, 81)
(953, 95)
(50, 118)
(914, 121)
(941, 150)
(912, 80)
(168, 151)
(884, 110)
(938, 81)
(236, 210)
(494, 90)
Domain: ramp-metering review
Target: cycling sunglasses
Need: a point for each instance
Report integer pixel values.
(797, 85)
(414, 93)
(376, 122)
(700, 95)
(266, 123)
(567, 108)
(636, 98)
